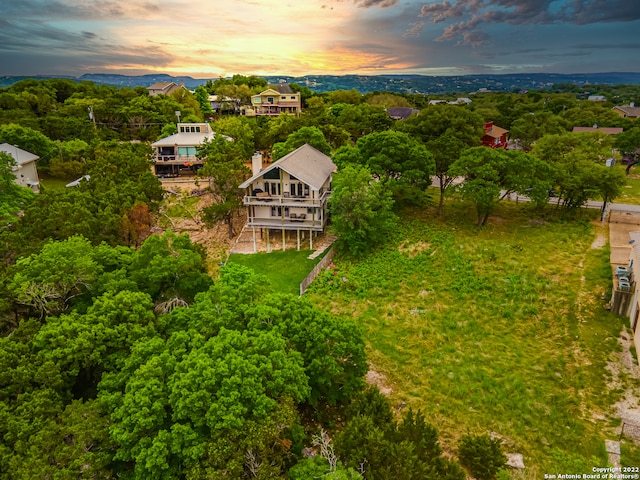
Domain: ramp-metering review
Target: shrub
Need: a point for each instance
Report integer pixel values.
(481, 455)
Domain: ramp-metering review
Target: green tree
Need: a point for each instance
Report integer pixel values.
(446, 131)
(361, 210)
(332, 349)
(13, 197)
(628, 142)
(359, 120)
(532, 126)
(224, 164)
(49, 280)
(30, 140)
(202, 96)
(492, 174)
(387, 100)
(305, 135)
(482, 455)
(403, 163)
(578, 162)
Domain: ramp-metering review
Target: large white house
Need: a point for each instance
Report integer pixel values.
(290, 194)
(25, 166)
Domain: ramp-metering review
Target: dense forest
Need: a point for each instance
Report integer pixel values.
(121, 356)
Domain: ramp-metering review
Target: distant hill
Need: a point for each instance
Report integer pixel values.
(420, 84)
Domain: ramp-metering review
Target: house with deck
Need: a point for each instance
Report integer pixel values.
(289, 196)
(175, 155)
(494, 136)
(275, 100)
(24, 168)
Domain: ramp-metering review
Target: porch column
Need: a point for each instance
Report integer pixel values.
(298, 235)
(255, 247)
(268, 244)
(310, 239)
(284, 244)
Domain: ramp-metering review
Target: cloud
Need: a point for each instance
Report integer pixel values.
(473, 14)
(414, 31)
(78, 9)
(368, 3)
(376, 3)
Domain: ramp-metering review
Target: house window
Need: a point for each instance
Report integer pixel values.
(283, 98)
(293, 98)
(270, 100)
(272, 174)
(272, 188)
(187, 151)
(277, 212)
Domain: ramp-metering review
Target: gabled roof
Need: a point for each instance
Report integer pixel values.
(607, 130)
(163, 86)
(284, 88)
(494, 131)
(22, 157)
(307, 164)
(401, 113)
(268, 91)
(185, 139)
(629, 110)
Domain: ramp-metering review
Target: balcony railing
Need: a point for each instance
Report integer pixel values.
(281, 200)
(286, 223)
(178, 159)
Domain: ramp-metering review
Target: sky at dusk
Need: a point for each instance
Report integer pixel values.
(214, 38)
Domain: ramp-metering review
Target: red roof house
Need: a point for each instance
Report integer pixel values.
(494, 136)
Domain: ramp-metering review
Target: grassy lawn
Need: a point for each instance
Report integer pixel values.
(284, 270)
(630, 192)
(54, 183)
(500, 329)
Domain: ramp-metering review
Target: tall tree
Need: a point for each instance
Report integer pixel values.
(446, 130)
(492, 174)
(361, 210)
(310, 135)
(224, 164)
(579, 164)
(532, 126)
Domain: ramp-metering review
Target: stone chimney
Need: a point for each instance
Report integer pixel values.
(256, 163)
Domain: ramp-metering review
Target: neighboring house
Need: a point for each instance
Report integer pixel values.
(275, 100)
(25, 168)
(224, 104)
(597, 98)
(176, 154)
(401, 113)
(457, 101)
(290, 194)
(595, 128)
(163, 88)
(627, 111)
(494, 136)
(625, 298)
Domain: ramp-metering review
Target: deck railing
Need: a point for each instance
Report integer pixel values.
(281, 200)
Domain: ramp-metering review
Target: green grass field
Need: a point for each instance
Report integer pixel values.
(500, 329)
(53, 183)
(284, 270)
(631, 191)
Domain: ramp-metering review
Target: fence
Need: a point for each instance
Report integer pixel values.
(326, 260)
